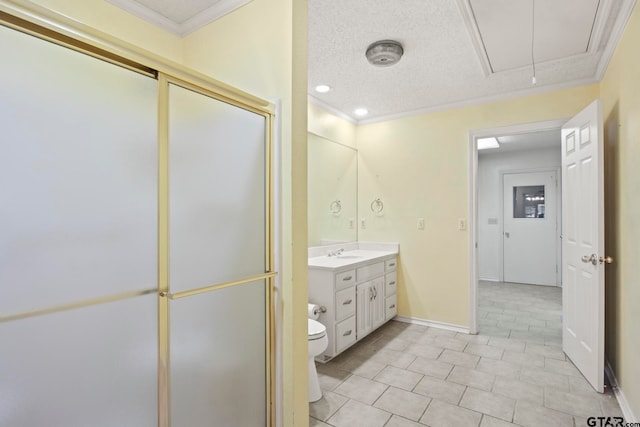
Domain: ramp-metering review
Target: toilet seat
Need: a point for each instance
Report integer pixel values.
(316, 330)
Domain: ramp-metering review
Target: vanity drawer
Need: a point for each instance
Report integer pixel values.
(390, 307)
(345, 279)
(363, 273)
(345, 303)
(390, 283)
(390, 264)
(345, 333)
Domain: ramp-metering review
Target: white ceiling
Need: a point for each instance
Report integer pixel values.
(525, 142)
(456, 52)
(180, 17)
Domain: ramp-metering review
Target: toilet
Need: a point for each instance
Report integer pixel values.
(318, 342)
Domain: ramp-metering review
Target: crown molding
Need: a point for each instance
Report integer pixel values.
(313, 100)
(616, 33)
(482, 100)
(217, 11)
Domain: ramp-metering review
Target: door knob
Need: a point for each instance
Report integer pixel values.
(593, 259)
(606, 260)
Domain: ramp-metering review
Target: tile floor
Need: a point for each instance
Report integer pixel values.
(513, 373)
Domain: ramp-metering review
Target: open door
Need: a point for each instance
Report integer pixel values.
(583, 243)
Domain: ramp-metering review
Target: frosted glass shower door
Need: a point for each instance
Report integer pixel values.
(78, 246)
(218, 236)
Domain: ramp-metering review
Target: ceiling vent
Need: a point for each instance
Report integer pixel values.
(384, 53)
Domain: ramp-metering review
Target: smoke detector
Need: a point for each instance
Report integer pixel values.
(384, 53)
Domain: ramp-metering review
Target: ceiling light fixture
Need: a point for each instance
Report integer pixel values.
(323, 88)
(487, 143)
(361, 112)
(384, 53)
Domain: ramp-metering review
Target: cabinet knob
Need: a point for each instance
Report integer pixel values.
(346, 334)
(346, 279)
(392, 283)
(347, 302)
(392, 306)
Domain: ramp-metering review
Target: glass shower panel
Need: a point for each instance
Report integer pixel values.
(81, 367)
(78, 171)
(216, 191)
(218, 366)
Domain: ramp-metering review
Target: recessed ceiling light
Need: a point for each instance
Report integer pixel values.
(361, 112)
(486, 143)
(323, 88)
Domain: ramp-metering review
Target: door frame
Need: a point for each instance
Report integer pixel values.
(473, 199)
(558, 241)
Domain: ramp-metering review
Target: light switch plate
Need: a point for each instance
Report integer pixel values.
(462, 224)
(420, 223)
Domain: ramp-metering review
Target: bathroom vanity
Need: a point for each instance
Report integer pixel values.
(356, 283)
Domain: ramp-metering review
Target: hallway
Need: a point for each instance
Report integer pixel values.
(513, 373)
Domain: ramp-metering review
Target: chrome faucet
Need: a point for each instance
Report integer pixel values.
(336, 252)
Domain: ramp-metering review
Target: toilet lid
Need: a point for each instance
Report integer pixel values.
(316, 329)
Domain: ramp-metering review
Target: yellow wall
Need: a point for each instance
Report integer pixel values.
(261, 49)
(418, 166)
(114, 21)
(329, 126)
(620, 92)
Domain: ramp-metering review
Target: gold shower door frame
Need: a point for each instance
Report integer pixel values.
(47, 25)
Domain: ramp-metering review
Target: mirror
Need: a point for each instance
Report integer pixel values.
(332, 191)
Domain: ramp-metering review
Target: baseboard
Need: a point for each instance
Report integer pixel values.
(488, 279)
(629, 417)
(432, 324)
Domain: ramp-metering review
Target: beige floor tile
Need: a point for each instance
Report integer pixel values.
(523, 359)
(482, 350)
(458, 358)
(443, 341)
(433, 368)
(519, 390)
(439, 389)
(530, 415)
(488, 421)
(403, 403)
(330, 377)
(427, 351)
(561, 367)
(399, 378)
(488, 403)
(357, 414)
(392, 357)
(361, 389)
(365, 368)
(499, 368)
(510, 344)
(471, 378)
(545, 350)
(476, 339)
(571, 403)
(442, 414)
(327, 406)
(317, 423)
(539, 376)
(396, 421)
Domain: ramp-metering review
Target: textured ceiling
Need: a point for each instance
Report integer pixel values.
(446, 63)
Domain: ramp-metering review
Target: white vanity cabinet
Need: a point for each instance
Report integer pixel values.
(358, 295)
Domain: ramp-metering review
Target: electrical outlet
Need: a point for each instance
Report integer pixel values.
(420, 223)
(462, 224)
(363, 223)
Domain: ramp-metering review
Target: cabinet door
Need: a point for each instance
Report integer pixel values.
(364, 296)
(377, 303)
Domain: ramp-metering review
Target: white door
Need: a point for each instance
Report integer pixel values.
(530, 228)
(583, 243)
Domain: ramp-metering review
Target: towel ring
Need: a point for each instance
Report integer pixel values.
(335, 207)
(377, 206)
